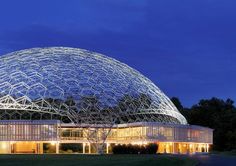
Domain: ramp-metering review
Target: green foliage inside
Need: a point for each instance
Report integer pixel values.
(95, 160)
(135, 149)
(48, 148)
(217, 114)
(71, 148)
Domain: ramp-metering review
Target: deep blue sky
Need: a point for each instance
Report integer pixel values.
(186, 47)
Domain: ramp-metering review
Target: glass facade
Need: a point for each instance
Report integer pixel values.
(22, 136)
(24, 130)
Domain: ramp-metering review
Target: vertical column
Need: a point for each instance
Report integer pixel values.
(200, 148)
(194, 148)
(13, 147)
(173, 144)
(108, 147)
(190, 148)
(89, 148)
(37, 148)
(203, 148)
(9, 147)
(84, 148)
(41, 147)
(207, 150)
(57, 148)
(179, 148)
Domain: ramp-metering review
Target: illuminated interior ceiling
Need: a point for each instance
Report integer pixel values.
(79, 86)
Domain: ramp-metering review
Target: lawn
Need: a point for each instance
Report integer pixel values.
(94, 160)
(228, 153)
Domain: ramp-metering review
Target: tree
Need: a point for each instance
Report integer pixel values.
(217, 114)
(177, 103)
(179, 106)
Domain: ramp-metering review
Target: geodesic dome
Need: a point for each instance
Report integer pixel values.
(79, 86)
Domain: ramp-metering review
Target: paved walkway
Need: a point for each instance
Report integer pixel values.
(215, 160)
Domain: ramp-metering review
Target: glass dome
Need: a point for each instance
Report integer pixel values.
(79, 86)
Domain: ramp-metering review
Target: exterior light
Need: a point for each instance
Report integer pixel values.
(53, 143)
(4, 145)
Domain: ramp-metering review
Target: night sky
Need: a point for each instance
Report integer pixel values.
(186, 47)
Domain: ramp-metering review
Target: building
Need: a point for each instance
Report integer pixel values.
(53, 97)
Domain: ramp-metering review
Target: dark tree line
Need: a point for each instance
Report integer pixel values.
(217, 114)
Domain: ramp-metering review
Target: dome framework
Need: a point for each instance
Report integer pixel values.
(79, 86)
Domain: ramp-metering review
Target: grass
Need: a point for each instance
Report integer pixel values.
(94, 160)
(228, 153)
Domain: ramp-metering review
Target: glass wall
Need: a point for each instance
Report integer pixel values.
(23, 130)
(150, 132)
(22, 136)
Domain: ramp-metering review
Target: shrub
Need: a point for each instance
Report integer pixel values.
(48, 148)
(135, 149)
(71, 147)
(152, 148)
